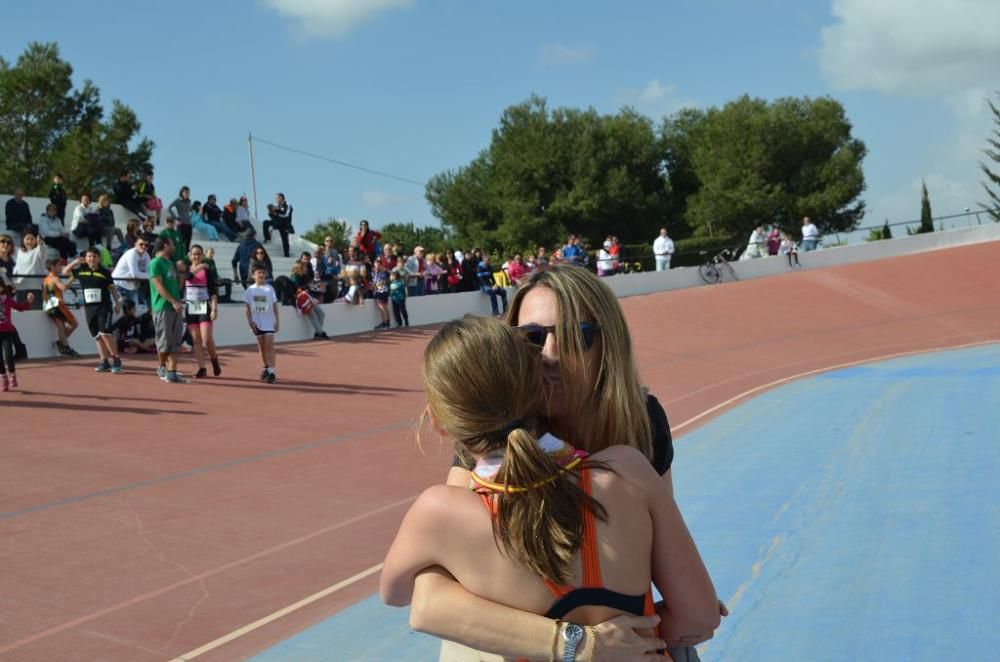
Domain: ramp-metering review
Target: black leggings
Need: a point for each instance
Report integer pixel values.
(7, 351)
(65, 246)
(399, 312)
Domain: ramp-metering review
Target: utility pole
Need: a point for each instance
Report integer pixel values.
(253, 175)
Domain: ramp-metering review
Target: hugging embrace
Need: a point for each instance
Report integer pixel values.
(559, 513)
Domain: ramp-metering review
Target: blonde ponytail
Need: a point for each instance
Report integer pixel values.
(479, 376)
(542, 526)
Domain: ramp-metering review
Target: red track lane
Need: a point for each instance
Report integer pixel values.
(141, 520)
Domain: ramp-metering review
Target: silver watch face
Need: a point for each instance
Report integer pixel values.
(573, 633)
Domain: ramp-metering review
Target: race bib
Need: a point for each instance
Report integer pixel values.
(51, 303)
(92, 295)
(259, 305)
(197, 307)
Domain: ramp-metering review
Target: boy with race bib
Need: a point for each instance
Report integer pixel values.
(98, 293)
(262, 316)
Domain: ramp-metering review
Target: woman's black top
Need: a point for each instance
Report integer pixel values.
(663, 443)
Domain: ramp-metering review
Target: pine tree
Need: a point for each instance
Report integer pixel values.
(993, 153)
(926, 218)
(886, 230)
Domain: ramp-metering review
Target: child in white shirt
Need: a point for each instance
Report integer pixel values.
(262, 316)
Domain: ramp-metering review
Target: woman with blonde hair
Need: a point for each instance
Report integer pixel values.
(594, 399)
(527, 533)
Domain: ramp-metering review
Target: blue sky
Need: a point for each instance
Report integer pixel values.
(414, 87)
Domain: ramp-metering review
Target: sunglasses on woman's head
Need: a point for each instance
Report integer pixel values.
(536, 334)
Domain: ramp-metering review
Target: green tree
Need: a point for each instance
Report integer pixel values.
(926, 217)
(992, 152)
(677, 136)
(433, 239)
(774, 163)
(46, 125)
(547, 173)
(333, 227)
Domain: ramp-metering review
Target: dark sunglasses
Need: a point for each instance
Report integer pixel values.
(536, 334)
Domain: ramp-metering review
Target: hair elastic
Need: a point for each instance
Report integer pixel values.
(511, 426)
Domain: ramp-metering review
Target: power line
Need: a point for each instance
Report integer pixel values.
(338, 162)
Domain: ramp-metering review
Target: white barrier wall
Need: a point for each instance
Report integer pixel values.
(231, 329)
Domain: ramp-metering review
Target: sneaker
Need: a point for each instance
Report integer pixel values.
(103, 366)
(201, 374)
(317, 336)
(216, 368)
(323, 336)
(263, 374)
(174, 378)
(72, 352)
(161, 372)
(4, 386)
(116, 366)
(12, 380)
(271, 378)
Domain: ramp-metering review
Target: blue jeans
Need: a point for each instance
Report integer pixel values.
(136, 296)
(493, 293)
(416, 290)
(808, 244)
(223, 228)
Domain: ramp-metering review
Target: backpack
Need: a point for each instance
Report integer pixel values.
(304, 302)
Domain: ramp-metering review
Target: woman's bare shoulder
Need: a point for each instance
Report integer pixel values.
(444, 506)
(626, 464)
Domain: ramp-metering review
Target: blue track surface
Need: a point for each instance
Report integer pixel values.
(853, 515)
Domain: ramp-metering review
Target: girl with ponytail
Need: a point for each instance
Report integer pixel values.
(543, 527)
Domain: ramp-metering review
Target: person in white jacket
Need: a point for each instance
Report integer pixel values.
(605, 260)
(86, 223)
(134, 266)
(663, 250)
(810, 235)
(55, 234)
(29, 266)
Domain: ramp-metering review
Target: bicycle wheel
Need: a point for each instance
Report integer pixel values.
(732, 272)
(709, 273)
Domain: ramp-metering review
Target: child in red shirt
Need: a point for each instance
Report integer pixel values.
(8, 374)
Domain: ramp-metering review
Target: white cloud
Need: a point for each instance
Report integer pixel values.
(903, 47)
(654, 99)
(332, 18)
(375, 199)
(656, 92)
(560, 54)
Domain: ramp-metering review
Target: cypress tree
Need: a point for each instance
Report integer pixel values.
(926, 218)
(992, 183)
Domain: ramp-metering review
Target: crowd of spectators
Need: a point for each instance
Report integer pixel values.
(767, 242)
(363, 268)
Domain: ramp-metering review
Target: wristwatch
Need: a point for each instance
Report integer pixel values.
(572, 636)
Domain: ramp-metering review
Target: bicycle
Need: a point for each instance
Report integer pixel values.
(715, 269)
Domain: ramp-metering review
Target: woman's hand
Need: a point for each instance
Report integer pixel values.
(619, 640)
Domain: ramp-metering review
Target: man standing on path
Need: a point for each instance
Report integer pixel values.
(167, 307)
(810, 235)
(663, 250)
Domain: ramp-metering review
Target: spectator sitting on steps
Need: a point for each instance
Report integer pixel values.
(55, 234)
(125, 196)
(18, 213)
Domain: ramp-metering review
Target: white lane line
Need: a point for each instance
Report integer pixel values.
(270, 618)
